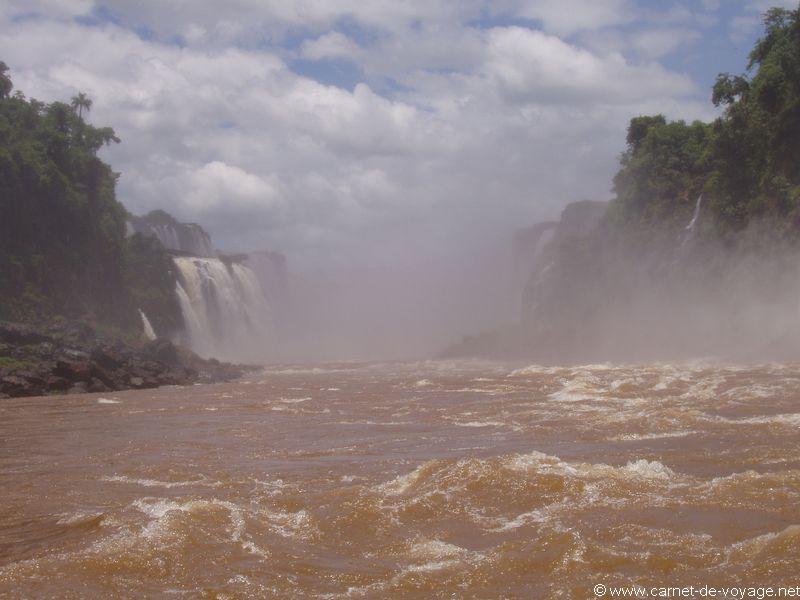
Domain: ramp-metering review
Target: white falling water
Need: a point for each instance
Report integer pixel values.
(689, 232)
(690, 227)
(224, 309)
(149, 333)
(539, 271)
(188, 237)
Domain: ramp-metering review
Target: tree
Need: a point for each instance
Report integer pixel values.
(5, 81)
(81, 102)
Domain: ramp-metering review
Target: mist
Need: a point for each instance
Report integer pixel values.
(409, 311)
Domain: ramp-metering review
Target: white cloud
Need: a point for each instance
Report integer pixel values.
(482, 131)
(565, 18)
(531, 66)
(330, 45)
(656, 43)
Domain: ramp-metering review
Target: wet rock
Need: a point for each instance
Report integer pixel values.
(18, 333)
(73, 371)
(70, 357)
(97, 386)
(108, 357)
(78, 388)
(163, 351)
(16, 386)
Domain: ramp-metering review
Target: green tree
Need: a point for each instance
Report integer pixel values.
(80, 103)
(5, 81)
(63, 248)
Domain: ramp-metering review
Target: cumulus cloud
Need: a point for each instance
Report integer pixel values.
(460, 131)
(565, 18)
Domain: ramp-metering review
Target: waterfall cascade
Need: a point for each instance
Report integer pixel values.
(147, 327)
(687, 235)
(225, 310)
(188, 238)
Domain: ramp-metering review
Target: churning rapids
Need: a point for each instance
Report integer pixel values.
(437, 479)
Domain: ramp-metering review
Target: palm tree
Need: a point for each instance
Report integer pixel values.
(80, 102)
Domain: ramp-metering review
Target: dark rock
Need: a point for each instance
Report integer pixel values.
(56, 383)
(18, 333)
(108, 357)
(69, 357)
(75, 354)
(79, 388)
(16, 386)
(96, 386)
(74, 371)
(163, 351)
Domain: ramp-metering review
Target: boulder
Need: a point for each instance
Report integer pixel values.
(163, 351)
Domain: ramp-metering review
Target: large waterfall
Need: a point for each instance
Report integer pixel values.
(188, 238)
(225, 310)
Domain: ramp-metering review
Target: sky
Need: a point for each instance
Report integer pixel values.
(368, 133)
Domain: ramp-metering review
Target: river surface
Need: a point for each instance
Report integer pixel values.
(434, 479)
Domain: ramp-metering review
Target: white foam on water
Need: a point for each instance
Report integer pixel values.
(108, 401)
(534, 370)
(156, 483)
(579, 389)
(792, 419)
(159, 509)
(289, 524)
(79, 516)
(435, 555)
(632, 437)
(649, 469)
(641, 469)
(423, 383)
(751, 548)
(481, 424)
(402, 483)
(255, 549)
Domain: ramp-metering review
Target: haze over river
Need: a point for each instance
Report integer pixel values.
(432, 479)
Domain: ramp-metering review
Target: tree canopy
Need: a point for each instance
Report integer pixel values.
(747, 161)
(63, 248)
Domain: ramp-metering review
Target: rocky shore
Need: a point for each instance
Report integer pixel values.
(72, 357)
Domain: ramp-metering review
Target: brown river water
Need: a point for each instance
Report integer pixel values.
(433, 479)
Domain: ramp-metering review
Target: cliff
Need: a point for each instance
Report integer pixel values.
(186, 238)
(697, 253)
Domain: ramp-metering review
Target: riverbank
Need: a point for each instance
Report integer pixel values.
(72, 357)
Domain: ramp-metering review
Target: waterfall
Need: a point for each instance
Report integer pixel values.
(690, 227)
(167, 235)
(149, 333)
(682, 247)
(188, 238)
(226, 313)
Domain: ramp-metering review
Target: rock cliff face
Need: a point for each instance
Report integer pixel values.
(601, 292)
(557, 292)
(187, 238)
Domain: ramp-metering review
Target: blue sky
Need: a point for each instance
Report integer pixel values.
(373, 131)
